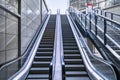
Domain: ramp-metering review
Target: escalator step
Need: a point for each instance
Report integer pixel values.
(70, 44)
(77, 78)
(40, 70)
(73, 61)
(46, 46)
(75, 67)
(40, 64)
(46, 42)
(69, 41)
(42, 58)
(71, 50)
(72, 56)
(45, 49)
(76, 74)
(44, 53)
(38, 76)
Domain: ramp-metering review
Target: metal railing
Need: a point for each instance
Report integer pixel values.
(105, 29)
(110, 15)
(86, 50)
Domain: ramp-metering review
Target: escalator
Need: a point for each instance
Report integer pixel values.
(79, 63)
(40, 66)
(74, 66)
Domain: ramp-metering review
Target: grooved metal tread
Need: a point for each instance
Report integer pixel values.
(77, 78)
(38, 76)
(76, 73)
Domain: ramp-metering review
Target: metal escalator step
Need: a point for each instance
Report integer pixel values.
(75, 67)
(40, 64)
(65, 37)
(50, 32)
(36, 70)
(44, 54)
(70, 60)
(71, 50)
(69, 44)
(76, 74)
(73, 61)
(42, 58)
(68, 40)
(72, 56)
(46, 46)
(77, 78)
(45, 49)
(68, 35)
(77, 53)
(47, 43)
(48, 37)
(37, 62)
(38, 76)
(45, 39)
